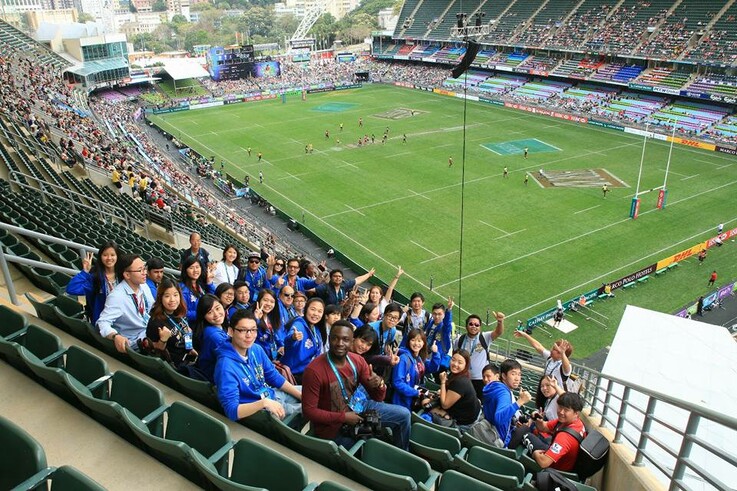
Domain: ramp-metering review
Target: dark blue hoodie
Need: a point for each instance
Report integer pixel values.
(500, 408)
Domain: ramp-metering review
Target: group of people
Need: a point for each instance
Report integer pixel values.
(290, 337)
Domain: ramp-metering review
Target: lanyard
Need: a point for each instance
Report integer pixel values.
(474, 341)
(340, 378)
(431, 335)
(227, 273)
(140, 306)
(315, 338)
(180, 325)
(257, 377)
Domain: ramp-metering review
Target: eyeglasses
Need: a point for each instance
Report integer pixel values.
(288, 295)
(474, 324)
(392, 317)
(247, 331)
(140, 270)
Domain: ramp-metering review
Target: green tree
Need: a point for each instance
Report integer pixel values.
(84, 18)
(179, 19)
(201, 7)
(158, 6)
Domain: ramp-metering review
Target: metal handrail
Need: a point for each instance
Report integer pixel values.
(105, 208)
(601, 395)
(6, 257)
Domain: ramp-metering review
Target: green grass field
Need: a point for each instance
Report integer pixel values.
(522, 247)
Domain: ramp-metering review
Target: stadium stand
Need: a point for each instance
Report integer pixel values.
(577, 67)
(688, 117)
(540, 64)
(425, 18)
(449, 54)
(585, 20)
(513, 20)
(501, 84)
(719, 85)
(719, 44)
(725, 130)
(617, 73)
(441, 30)
(664, 77)
(672, 36)
(542, 89)
(406, 17)
(628, 26)
(631, 106)
(549, 18)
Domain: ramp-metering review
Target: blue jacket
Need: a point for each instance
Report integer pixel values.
(235, 308)
(405, 377)
(299, 354)
(83, 283)
(240, 384)
(152, 286)
(285, 314)
(300, 285)
(500, 408)
(191, 300)
(270, 340)
(256, 281)
(440, 334)
(213, 338)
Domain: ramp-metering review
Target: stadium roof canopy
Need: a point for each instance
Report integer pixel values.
(90, 67)
(184, 68)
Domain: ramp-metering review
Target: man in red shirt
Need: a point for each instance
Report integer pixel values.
(328, 402)
(563, 449)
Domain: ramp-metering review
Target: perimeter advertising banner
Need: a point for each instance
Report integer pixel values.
(618, 283)
(663, 263)
(692, 143)
(724, 236)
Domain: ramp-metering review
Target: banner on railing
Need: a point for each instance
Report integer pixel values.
(723, 237)
(695, 249)
(692, 143)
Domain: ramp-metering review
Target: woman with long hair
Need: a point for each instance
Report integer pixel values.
(96, 280)
(168, 335)
(209, 333)
(303, 341)
(227, 270)
(457, 397)
(194, 283)
(414, 361)
(365, 343)
(270, 335)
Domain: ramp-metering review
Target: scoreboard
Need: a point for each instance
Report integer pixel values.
(230, 63)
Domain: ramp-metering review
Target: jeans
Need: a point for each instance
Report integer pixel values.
(392, 416)
(290, 403)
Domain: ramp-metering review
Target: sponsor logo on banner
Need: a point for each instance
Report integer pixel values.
(667, 90)
(205, 105)
(650, 134)
(604, 124)
(632, 277)
(693, 250)
(693, 143)
(646, 88)
(724, 236)
(727, 150)
(491, 101)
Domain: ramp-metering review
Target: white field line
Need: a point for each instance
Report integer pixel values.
(609, 273)
(571, 239)
(495, 228)
(438, 257)
(585, 210)
(353, 209)
(424, 248)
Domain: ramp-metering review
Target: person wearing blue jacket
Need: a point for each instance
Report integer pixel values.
(500, 408)
(209, 334)
(303, 342)
(194, 285)
(246, 380)
(410, 371)
(97, 280)
(386, 328)
(242, 297)
(439, 329)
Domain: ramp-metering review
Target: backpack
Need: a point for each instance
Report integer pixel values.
(486, 432)
(482, 340)
(553, 480)
(592, 454)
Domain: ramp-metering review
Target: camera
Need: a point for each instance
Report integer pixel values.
(433, 403)
(369, 427)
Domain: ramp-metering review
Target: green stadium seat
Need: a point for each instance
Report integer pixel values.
(67, 478)
(201, 391)
(468, 441)
(384, 466)
(631, 284)
(494, 469)
(11, 321)
(255, 467)
(661, 271)
(454, 432)
(24, 459)
(643, 279)
(128, 394)
(438, 448)
(69, 306)
(37, 342)
(330, 486)
(188, 429)
(532, 466)
(455, 481)
(79, 328)
(324, 452)
(90, 370)
(152, 366)
(44, 310)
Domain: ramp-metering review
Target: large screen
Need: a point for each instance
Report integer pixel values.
(266, 69)
(231, 63)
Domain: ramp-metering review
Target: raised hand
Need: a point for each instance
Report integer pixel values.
(297, 334)
(87, 262)
(450, 303)
(499, 316)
